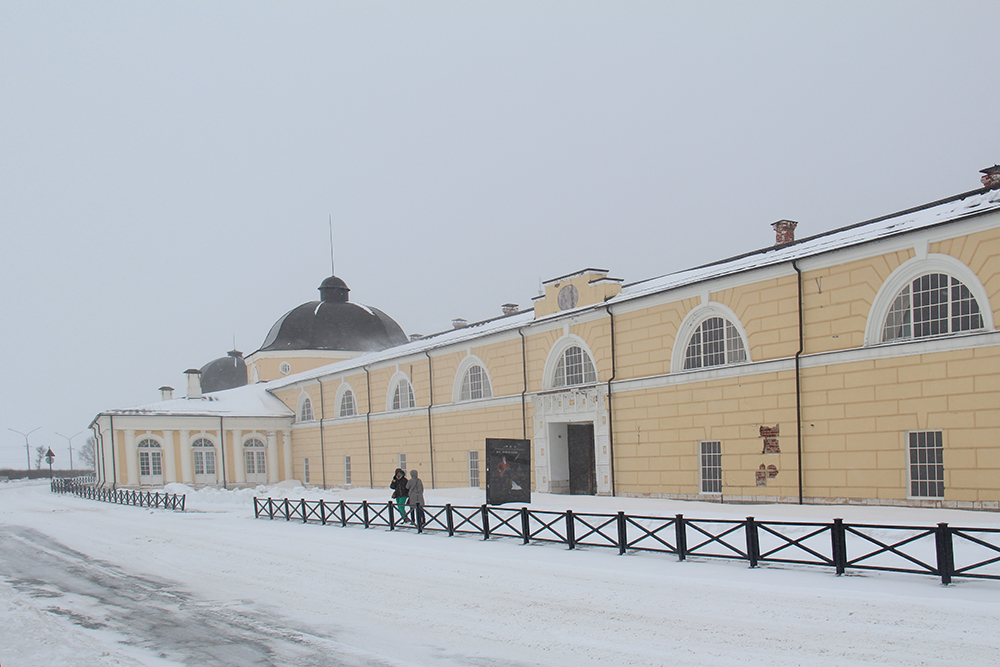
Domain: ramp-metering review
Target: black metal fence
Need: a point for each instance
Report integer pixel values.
(943, 551)
(85, 488)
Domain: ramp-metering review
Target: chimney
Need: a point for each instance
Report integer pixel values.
(784, 231)
(459, 323)
(509, 309)
(991, 177)
(166, 393)
(194, 382)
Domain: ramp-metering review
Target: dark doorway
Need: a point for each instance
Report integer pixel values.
(582, 471)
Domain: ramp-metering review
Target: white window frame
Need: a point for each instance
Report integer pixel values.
(305, 470)
(909, 271)
(474, 477)
(705, 465)
(401, 461)
(211, 447)
(690, 324)
(557, 353)
(347, 470)
(929, 472)
(395, 384)
(152, 453)
(342, 391)
(464, 369)
(256, 457)
(305, 401)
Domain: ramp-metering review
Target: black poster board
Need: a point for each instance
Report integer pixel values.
(508, 471)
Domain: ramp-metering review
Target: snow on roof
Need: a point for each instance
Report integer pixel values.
(948, 210)
(249, 401)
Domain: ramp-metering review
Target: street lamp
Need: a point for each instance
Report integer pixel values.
(69, 441)
(27, 448)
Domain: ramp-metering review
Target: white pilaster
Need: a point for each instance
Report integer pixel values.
(286, 446)
(272, 458)
(131, 459)
(187, 477)
(239, 460)
(169, 462)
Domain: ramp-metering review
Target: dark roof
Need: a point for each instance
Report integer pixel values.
(334, 324)
(226, 372)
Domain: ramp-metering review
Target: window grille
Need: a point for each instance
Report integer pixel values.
(401, 461)
(305, 470)
(711, 467)
(348, 407)
(926, 464)
(306, 411)
(475, 384)
(474, 468)
(715, 342)
(347, 470)
(402, 397)
(932, 305)
(574, 367)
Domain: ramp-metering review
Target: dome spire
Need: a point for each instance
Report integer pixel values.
(334, 290)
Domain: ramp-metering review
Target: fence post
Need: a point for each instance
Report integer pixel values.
(945, 552)
(525, 525)
(322, 512)
(449, 520)
(753, 545)
(343, 514)
(486, 523)
(364, 512)
(838, 539)
(392, 516)
(288, 516)
(622, 534)
(270, 508)
(303, 510)
(256, 509)
(570, 530)
(680, 535)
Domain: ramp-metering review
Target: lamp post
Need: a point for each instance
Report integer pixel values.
(27, 447)
(69, 441)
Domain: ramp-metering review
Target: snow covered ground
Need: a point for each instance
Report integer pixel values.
(89, 583)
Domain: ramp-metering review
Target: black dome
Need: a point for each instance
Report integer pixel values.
(226, 372)
(334, 324)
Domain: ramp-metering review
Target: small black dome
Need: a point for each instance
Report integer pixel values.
(226, 372)
(334, 324)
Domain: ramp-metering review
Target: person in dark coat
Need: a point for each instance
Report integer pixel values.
(399, 492)
(415, 489)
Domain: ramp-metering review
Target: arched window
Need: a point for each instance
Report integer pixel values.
(348, 407)
(715, 342)
(402, 395)
(305, 408)
(933, 304)
(255, 458)
(150, 462)
(925, 297)
(475, 384)
(574, 367)
(203, 453)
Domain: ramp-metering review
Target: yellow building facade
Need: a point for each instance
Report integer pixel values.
(861, 365)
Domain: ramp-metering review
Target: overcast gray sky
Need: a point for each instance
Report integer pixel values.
(167, 169)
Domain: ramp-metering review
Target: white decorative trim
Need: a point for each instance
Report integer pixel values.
(396, 378)
(693, 320)
(303, 397)
(339, 397)
(906, 273)
(463, 368)
(556, 353)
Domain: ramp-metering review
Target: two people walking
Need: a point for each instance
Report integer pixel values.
(408, 492)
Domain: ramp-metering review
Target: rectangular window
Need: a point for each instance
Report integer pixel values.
(261, 457)
(249, 458)
(157, 463)
(305, 470)
(402, 461)
(711, 467)
(347, 470)
(926, 464)
(144, 464)
(474, 468)
(199, 463)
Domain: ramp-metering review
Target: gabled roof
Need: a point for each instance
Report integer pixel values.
(948, 210)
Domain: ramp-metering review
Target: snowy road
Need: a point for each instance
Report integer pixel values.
(153, 614)
(129, 586)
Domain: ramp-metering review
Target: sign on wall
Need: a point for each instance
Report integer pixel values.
(508, 471)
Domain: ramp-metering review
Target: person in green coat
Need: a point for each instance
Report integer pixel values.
(399, 492)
